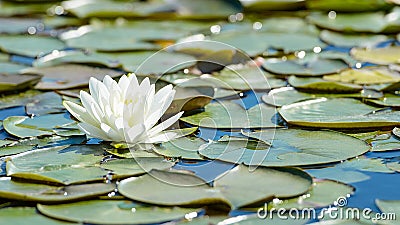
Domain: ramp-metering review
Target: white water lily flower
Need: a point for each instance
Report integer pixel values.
(125, 111)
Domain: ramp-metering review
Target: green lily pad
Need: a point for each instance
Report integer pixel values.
(352, 40)
(395, 166)
(381, 56)
(323, 193)
(338, 113)
(187, 99)
(22, 98)
(46, 103)
(288, 95)
(16, 25)
(255, 43)
(396, 131)
(69, 165)
(391, 208)
(123, 168)
(112, 212)
(23, 126)
(389, 100)
(290, 147)
(270, 5)
(347, 5)
(187, 189)
(68, 76)
(241, 79)
(51, 194)
(128, 154)
(10, 68)
(351, 171)
(12, 82)
(368, 76)
(305, 67)
(323, 85)
(20, 215)
(184, 147)
(226, 114)
(29, 45)
(380, 140)
(17, 9)
(373, 22)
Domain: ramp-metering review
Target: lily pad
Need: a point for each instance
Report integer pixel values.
(184, 147)
(16, 25)
(323, 85)
(269, 5)
(396, 131)
(20, 215)
(289, 147)
(226, 114)
(23, 126)
(45, 103)
(12, 82)
(123, 168)
(352, 40)
(381, 56)
(179, 188)
(323, 193)
(69, 165)
(10, 68)
(389, 100)
(380, 140)
(390, 207)
(31, 46)
(305, 67)
(338, 113)
(241, 79)
(347, 5)
(367, 76)
(21, 191)
(112, 212)
(68, 76)
(373, 22)
(395, 166)
(351, 171)
(19, 99)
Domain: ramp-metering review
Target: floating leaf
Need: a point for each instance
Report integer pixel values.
(69, 165)
(290, 147)
(347, 5)
(16, 8)
(374, 22)
(396, 131)
(352, 40)
(23, 126)
(268, 5)
(181, 187)
(10, 189)
(45, 103)
(338, 113)
(381, 56)
(19, 99)
(226, 114)
(305, 67)
(187, 99)
(395, 166)
(323, 85)
(184, 147)
(368, 76)
(68, 76)
(288, 95)
(12, 82)
(390, 100)
(29, 45)
(117, 212)
(10, 68)
(15, 25)
(138, 165)
(380, 140)
(20, 215)
(389, 207)
(351, 171)
(323, 193)
(241, 79)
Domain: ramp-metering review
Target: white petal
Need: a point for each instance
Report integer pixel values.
(93, 131)
(111, 133)
(87, 101)
(79, 112)
(162, 137)
(134, 133)
(123, 83)
(164, 125)
(93, 87)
